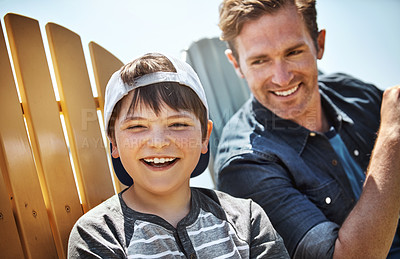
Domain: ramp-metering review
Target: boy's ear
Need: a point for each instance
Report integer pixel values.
(114, 149)
(234, 62)
(204, 147)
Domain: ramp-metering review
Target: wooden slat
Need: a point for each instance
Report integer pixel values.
(19, 171)
(104, 65)
(46, 133)
(10, 245)
(79, 108)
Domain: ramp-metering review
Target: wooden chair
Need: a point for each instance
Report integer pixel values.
(41, 161)
(225, 91)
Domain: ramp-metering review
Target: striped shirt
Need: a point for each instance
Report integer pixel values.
(217, 226)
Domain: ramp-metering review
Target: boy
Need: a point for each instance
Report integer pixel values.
(156, 117)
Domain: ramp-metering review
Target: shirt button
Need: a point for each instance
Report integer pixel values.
(312, 134)
(328, 200)
(356, 152)
(334, 162)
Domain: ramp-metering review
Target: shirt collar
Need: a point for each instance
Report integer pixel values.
(293, 133)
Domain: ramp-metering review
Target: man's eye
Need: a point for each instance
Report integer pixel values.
(295, 52)
(258, 62)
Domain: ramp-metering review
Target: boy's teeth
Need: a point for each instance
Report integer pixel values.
(286, 93)
(158, 160)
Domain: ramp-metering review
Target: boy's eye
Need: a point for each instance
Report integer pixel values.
(179, 125)
(136, 127)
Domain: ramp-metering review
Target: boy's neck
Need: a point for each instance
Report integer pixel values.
(172, 208)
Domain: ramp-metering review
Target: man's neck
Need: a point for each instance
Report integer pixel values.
(321, 123)
(315, 120)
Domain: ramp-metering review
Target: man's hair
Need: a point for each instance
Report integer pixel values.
(176, 96)
(235, 13)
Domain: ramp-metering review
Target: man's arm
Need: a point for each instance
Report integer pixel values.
(369, 229)
(290, 211)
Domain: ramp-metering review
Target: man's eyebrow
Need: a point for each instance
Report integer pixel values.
(256, 57)
(298, 45)
(265, 56)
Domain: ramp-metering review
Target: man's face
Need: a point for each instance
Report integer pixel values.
(278, 59)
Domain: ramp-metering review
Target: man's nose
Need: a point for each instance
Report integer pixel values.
(281, 73)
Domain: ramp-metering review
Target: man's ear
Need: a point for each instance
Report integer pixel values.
(321, 44)
(234, 62)
(114, 149)
(204, 147)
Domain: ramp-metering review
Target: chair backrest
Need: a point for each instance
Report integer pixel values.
(53, 161)
(225, 91)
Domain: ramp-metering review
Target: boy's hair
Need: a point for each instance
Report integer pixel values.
(235, 13)
(172, 94)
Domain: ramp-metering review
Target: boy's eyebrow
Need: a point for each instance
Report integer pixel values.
(132, 118)
(138, 118)
(177, 116)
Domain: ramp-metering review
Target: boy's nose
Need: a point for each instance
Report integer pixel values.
(281, 74)
(159, 139)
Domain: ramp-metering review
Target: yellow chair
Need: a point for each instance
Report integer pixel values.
(41, 161)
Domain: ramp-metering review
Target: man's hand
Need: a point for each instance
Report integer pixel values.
(390, 112)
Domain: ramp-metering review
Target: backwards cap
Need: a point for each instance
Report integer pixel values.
(117, 89)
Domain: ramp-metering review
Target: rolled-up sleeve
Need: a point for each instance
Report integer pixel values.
(319, 242)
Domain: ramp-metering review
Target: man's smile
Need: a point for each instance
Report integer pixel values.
(287, 92)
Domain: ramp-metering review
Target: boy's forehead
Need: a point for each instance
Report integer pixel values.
(142, 109)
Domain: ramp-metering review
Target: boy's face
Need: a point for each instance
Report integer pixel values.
(158, 151)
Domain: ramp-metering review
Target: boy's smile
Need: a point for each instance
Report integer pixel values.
(159, 151)
(160, 162)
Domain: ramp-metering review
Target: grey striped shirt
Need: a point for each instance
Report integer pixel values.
(217, 226)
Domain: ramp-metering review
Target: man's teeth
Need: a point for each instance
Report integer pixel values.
(158, 160)
(286, 93)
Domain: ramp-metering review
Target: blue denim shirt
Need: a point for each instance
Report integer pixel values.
(294, 173)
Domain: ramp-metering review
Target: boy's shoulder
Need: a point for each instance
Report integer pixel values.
(221, 203)
(102, 222)
(218, 196)
(108, 209)
(244, 215)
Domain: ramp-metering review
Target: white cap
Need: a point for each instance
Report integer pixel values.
(117, 89)
(184, 75)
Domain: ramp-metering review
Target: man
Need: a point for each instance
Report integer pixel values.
(303, 147)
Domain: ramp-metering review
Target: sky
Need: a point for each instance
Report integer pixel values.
(362, 36)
